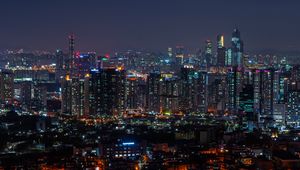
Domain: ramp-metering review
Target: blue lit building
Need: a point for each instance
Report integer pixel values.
(237, 48)
(121, 149)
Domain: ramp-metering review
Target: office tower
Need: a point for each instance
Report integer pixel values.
(169, 92)
(193, 91)
(78, 96)
(107, 92)
(246, 105)
(113, 91)
(280, 97)
(135, 93)
(221, 51)
(228, 57)
(185, 93)
(66, 95)
(234, 85)
(39, 97)
(59, 72)
(142, 97)
(70, 59)
(201, 91)
(280, 86)
(132, 92)
(263, 95)
(66, 82)
(293, 107)
(7, 86)
(208, 53)
(95, 91)
(237, 48)
(216, 97)
(153, 94)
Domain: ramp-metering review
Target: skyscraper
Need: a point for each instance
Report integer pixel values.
(70, 59)
(216, 97)
(6, 86)
(60, 70)
(169, 89)
(153, 94)
(235, 85)
(66, 95)
(237, 47)
(228, 57)
(293, 108)
(246, 104)
(221, 51)
(193, 91)
(107, 92)
(131, 92)
(263, 95)
(208, 53)
(78, 96)
(66, 83)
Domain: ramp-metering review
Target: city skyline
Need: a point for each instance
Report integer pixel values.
(149, 85)
(109, 26)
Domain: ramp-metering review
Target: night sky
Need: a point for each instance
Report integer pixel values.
(105, 26)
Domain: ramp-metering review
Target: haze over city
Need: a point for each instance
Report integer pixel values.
(106, 26)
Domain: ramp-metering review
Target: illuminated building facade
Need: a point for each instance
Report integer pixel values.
(121, 149)
(234, 83)
(78, 96)
(153, 94)
(132, 92)
(246, 104)
(169, 89)
(228, 57)
(237, 47)
(210, 60)
(6, 86)
(66, 83)
(60, 70)
(66, 95)
(293, 108)
(263, 95)
(107, 92)
(221, 51)
(217, 91)
(193, 91)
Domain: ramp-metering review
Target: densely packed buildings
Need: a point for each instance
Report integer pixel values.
(142, 109)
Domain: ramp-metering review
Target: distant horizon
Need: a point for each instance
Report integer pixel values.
(110, 25)
(190, 51)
